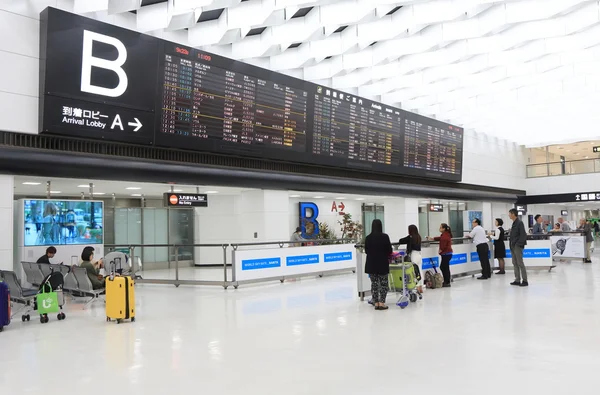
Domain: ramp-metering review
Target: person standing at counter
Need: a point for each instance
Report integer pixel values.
(378, 248)
(297, 238)
(538, 228)
(499, 246)
(413, 245)
(564, 226)
(586, 228)
(518, 241)
(445, 252)
(483, 249)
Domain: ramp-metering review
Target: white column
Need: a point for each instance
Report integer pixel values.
(265, 213)
(398, 214)
(7, 185)
(488, 219)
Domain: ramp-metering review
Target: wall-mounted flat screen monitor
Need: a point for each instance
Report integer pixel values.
(63, 222)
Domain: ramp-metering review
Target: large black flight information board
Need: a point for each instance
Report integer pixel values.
(101, 81)
(201, 100)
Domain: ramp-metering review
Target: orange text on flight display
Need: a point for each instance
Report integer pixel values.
(182, 51)
(202, 56)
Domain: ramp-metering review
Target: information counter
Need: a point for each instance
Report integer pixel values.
(465, 261)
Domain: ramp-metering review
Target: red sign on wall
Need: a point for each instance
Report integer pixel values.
(338, 208)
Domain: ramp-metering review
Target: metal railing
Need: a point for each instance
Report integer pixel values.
(551, 169)
(173, 261)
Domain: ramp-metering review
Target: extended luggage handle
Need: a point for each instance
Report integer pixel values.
(113, 271)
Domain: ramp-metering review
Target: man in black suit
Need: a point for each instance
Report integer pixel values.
(518, 240)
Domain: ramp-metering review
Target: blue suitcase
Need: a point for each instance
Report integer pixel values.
(4, 306)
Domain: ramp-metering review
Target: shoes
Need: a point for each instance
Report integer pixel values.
(483, 278)
(588, 261)
(381, 307)
(517, 283)
(501, 272)
(524, 284)
(447, 285)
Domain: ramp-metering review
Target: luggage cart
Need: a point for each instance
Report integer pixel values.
(403, 281)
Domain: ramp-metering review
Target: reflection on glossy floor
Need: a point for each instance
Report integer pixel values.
(315, 337)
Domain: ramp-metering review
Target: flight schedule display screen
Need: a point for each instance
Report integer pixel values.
(432, 146)
(203, 101)
(104, 82)
(356, 130)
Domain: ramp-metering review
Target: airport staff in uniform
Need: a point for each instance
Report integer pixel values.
(483, 249)
(518, 241)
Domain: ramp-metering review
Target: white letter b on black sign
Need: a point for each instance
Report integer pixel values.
(88, 61)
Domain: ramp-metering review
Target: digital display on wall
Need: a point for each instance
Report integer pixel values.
(63, 222)
(104, 82)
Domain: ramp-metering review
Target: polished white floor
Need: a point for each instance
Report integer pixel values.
(315, 337)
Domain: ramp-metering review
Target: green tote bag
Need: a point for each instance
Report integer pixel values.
(47, 302)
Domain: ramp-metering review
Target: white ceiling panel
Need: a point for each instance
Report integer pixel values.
(523, 70)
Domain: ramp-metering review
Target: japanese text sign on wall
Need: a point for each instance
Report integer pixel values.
(185, 200)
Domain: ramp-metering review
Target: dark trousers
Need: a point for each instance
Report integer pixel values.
(483, 251)
(445, 268)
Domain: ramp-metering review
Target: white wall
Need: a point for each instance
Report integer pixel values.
(218, 223)
(6, 219)
(493, 162)
(563, 184)
(235, 219)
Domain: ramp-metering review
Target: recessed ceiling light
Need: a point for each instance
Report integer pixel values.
(55, 192)
(83, 186)
(32, 183)
(360, 199)
(133, 188)
(209, 192)
(340, 198)
(136, 194)
(294, 196)
(318, 197)
(586, 157)
(99, 193)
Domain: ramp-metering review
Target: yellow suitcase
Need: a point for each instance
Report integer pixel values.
(120, 298)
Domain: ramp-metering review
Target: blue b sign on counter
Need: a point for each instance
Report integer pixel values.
(338, 256)
(264, 263)
(302, 260)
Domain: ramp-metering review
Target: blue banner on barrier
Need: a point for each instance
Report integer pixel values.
(458, 259)
(475, 256)
(262, 263)
(337, 256)
(427, 262)
(302, 260)
(533, 253)
(537, 253)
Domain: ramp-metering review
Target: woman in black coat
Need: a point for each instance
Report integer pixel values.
(378, 249)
